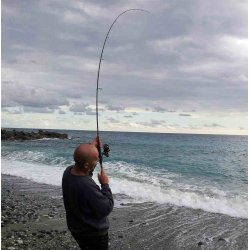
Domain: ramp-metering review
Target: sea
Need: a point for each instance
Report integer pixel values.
(207, 172)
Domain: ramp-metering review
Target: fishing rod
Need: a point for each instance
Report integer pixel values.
(106, 146)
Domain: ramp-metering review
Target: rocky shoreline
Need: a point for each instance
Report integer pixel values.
(33, 217)
(7, 134)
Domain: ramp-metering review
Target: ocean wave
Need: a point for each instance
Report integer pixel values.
(141, 184)
(48, 139)
(233, 206)
(36, 157)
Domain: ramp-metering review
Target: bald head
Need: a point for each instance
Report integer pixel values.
(86, 154)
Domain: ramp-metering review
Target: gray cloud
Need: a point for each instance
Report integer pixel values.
(159, 109)
(79, 108)
(162, 110)
(37, 110)
(131, 115)
(112, 120)
(189, 111)
(149, 124)
(115, 108)
(182, 114)
(213, 125)
(50, 52)
(153, 123)
(15, 94)
(13, 111)
(90, 112)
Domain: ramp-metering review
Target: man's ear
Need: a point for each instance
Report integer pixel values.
(86, 166)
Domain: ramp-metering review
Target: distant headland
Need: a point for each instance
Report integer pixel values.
(21, 135)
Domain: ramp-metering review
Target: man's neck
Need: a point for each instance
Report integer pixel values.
(78, 171)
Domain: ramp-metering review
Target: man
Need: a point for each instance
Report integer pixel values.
(87, 206)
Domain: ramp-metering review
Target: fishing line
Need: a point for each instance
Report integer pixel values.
(105, 146)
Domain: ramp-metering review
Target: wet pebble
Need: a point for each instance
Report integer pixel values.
(221, 239)
(120, 235)
(201, 243)
(20, 241)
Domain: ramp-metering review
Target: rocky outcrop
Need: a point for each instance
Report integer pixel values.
(20, 135)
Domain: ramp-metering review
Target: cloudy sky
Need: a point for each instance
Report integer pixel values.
(180, 69)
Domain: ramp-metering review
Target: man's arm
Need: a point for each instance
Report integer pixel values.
(101, 201)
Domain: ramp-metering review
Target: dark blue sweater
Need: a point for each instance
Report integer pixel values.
(87, 206)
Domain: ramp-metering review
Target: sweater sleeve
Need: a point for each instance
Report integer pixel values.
(101, 200)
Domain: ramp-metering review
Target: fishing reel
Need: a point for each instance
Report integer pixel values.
(106, 150)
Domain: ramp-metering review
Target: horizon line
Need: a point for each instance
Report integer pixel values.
(127, 131)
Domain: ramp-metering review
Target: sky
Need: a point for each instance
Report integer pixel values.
(182, 68)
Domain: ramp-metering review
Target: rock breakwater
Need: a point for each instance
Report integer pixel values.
(21, 135)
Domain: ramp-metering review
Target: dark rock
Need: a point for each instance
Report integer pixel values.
(20, 135)
(221, 239)
(120, 236)
(200, 243)
(131, 221)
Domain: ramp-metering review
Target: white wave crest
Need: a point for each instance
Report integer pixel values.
(35, 157)
(140, 184)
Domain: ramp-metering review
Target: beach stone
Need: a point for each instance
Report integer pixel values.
(120, 235)
(221, 239)
(20, 135)
(20, 241)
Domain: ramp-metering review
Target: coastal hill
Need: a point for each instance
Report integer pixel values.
(20, 135)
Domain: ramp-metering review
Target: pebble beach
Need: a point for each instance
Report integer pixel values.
(33, 217)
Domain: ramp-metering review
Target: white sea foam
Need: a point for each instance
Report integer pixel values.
(37, 172)
(37, 157)
(236, 207)
(146, 185)
(48, 139)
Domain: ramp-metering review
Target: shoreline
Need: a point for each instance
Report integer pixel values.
(33, 217)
